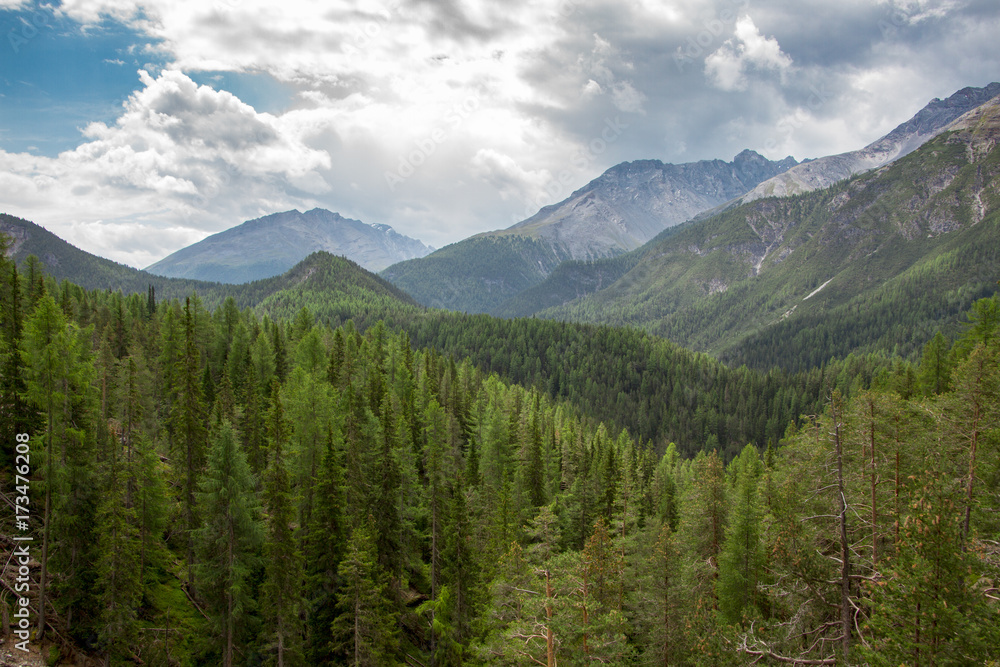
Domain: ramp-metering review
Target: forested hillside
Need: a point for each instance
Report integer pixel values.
(477, 274)
(218, 487)
(876, 263)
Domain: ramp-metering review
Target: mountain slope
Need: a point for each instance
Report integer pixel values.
(622, 209)
(338, 283)
(271, 245)
(477, 274)
(873, 263)
(925, 125)
(64, 261)
(632, 202)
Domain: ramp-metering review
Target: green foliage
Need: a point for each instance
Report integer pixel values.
(229, 539)
(414, 507)
(364, 634)
(896, 255)
(477, 274)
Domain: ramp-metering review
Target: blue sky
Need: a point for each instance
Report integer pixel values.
(133, 129)
(57, 78)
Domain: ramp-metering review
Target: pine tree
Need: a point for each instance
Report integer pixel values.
(229, 538)
(741, 561)
(927, 609)
(364, 633)
(283, 570)
(118, 568)
(12, 373)
(325, 547)
(189, 416)
(935, 366)
(59, 379)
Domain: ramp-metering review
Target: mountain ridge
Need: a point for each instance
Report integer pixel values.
(896, 248)
(272, 244)
(926, 124)
(599, 220)
(667, 194)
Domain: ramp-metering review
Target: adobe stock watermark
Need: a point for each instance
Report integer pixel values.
(893, 21)
(713, 25)
(223, 176)
(561, 186)
(787, 126)
(366, 33)
(567, 8)
(426, 146)
(41, 19)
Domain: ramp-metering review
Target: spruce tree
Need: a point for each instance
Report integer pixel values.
(741, 561)
(189, 417)
(59, 377)
(284, 575)
(325, 546)
(229, 539)
(364, 633)
(119, 579)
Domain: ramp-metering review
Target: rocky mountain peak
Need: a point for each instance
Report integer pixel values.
(903, 140)
(272, 244)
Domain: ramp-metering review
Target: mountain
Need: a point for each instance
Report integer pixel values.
(64, 261)
(874, 263)
(619, 211)
(333, 287)
(271, 245)
(925, 125)
(632, 202)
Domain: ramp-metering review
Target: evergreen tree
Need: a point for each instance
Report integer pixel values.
(935, 367)
(283, 568)
(189, 416)
(118, 567)
(229, 538)
(59, 382)
(325, 547)
(364, 633)
(927, 609)
(741, 561)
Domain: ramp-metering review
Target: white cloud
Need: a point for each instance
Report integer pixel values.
(626, 98)
(746, 51)
(500, 104)
(508, 177)
(179, 152)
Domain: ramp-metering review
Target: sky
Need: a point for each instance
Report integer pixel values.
(133, 129)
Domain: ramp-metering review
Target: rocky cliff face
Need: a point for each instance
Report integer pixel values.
(634, 201)
(271, 245)
(825, 171)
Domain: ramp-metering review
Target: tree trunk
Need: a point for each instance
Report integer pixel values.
(550, 648)
(874, 479)
(845, 567)
(973, 445)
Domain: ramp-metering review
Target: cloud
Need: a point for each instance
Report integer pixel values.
(179, 153)
(509, 178)
(747, 51)
(501, 104)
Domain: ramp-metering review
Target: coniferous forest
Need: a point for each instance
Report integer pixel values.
(223, 487)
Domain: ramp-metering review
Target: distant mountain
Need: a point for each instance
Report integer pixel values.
(632, 202)
(64, 261)
(271, 245)
(333, 286)
(825, 171)
(875, 263)
(578, 280)
(623, 208)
